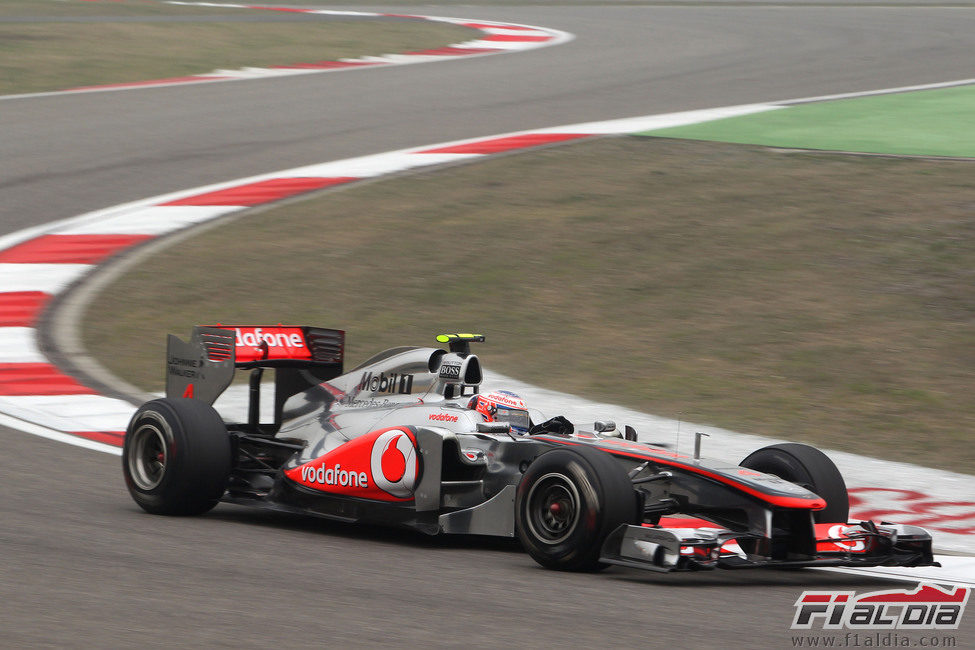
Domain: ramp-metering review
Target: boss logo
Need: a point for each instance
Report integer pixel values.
(450, 371)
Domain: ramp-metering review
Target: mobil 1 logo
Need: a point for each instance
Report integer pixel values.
(386, 384)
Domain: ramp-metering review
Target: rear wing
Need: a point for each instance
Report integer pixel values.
(204, 367)
(275, 346)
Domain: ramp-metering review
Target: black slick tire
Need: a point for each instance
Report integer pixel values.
(809, 468)
(567, 502)
(177, 457)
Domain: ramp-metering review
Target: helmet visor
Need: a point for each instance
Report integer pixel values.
(517, 418)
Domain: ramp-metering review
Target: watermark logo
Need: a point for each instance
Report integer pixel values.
(928, 607)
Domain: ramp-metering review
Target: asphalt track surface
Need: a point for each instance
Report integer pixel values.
(83, 566)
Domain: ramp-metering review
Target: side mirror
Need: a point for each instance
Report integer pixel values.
(608, 429)
(493, 427)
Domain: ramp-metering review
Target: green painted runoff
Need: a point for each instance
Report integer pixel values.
(925, 123)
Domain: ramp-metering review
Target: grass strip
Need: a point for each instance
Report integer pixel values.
(45, 55)
(810, 296)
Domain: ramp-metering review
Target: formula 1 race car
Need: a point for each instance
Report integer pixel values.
(406, 439)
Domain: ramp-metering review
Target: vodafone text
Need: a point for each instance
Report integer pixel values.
(276, 339)
(334, 476)
(443, 417)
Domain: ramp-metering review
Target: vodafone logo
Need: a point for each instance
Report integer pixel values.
(260, 343)
(393, 463)
(851, 545)
(444, 417)
(504, 399)
(276, 337)
(334, 476)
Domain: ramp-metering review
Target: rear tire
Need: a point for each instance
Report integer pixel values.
(177, 457)
(567, 502)
(809, 468)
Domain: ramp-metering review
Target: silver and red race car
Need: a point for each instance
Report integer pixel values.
(404, 439)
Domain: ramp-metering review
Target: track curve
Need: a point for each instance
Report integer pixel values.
(96, 570)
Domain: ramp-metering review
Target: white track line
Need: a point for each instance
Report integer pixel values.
(57, 436)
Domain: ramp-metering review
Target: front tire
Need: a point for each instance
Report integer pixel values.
(809, 468)
(567, 502)
(177, 457)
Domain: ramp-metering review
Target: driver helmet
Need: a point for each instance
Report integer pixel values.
(502, 406)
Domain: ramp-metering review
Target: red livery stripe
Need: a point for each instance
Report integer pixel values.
(69, 249)
(782, 501)
(21, 308)
(260, 192)
(686, 522)
(38, 379)
(498, 145)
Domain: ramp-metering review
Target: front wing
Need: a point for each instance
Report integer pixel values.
(684, 544)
